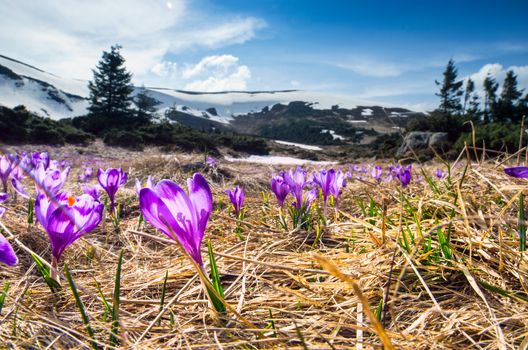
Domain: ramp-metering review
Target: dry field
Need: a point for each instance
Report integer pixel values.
(435, 265)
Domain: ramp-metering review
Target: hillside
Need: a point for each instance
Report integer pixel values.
(324, 119)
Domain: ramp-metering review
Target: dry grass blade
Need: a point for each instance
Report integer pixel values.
(378, 328)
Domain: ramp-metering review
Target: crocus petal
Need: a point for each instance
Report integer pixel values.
(17, 186)
(3, 197)
(124, 177)
(517, 171)
(2, 210)
(7, 254)
(202, 200)
(137, 186)
(149, 204)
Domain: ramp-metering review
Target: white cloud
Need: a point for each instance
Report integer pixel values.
(217, 73)
(498, 72)
(218, 62)
(67, 37)
(165, 68)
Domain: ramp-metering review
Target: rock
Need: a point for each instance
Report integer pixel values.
(420, 140)
(438, 139)
(212, 111)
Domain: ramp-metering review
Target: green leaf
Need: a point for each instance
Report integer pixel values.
(272, 324)
(45, 272)
(80, 306)
(117, 295)
(31, 211)
(163, 289)
(3, 295)
(503, 292)
(444, 245)
(215, 279)
(108, 308)
(379, 310)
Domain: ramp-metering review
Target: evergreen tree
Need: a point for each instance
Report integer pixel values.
(507, 106)
(146, 106)
(490, 98)
(471, 100)
(110, 92)
(450, 90)
(469, 90)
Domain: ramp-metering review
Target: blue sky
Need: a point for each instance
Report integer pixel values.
(390, 51)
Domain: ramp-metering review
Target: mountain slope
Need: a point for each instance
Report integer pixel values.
(328, 118)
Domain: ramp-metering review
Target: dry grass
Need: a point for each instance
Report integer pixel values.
(319, 293)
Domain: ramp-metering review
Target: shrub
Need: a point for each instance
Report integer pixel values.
(496, 136)
(123, 138)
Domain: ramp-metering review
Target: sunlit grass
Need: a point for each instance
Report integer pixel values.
(435, 264)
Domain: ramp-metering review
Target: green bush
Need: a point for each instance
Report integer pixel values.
(495, 136)
(124, 138)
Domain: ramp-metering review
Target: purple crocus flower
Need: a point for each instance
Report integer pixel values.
(49, 180)
(86, 175)
(306, 199)
(377, 173)
(40, 158)
(236, 196)
(297, 181)
(7, 164)
(338, 184)
(111, 179)
(325, 180)
(138, 186)
(65, 219)
(519, 172)
(3, 198)
(7, 254)
(179, 215)
(404, 174)
(211, 162)
(439, 174)
(92, 191)
(280, 188)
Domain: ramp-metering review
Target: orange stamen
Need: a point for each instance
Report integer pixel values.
(71, 201)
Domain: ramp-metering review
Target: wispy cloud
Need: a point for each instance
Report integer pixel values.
(67, 37)
(373, 68)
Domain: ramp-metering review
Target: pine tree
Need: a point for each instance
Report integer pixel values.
(110, 91)
(507, 105)
(450, 90)
(471, 100)
(490, 98)
(469, 90)
(146, 106)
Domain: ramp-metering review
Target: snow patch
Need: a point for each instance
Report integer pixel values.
(276, 160)
(334, 135)
(357, 121)
(300, 145)
(367, 112)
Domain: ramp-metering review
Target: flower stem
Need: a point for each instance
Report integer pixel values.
(55, 269)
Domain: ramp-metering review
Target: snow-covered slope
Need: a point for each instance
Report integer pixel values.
(41, 92)
(56, 97)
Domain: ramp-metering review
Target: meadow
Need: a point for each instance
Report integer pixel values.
(359, 256)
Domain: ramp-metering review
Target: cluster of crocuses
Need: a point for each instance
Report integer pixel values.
(64, 217)
(393, 172)
(304, 187)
